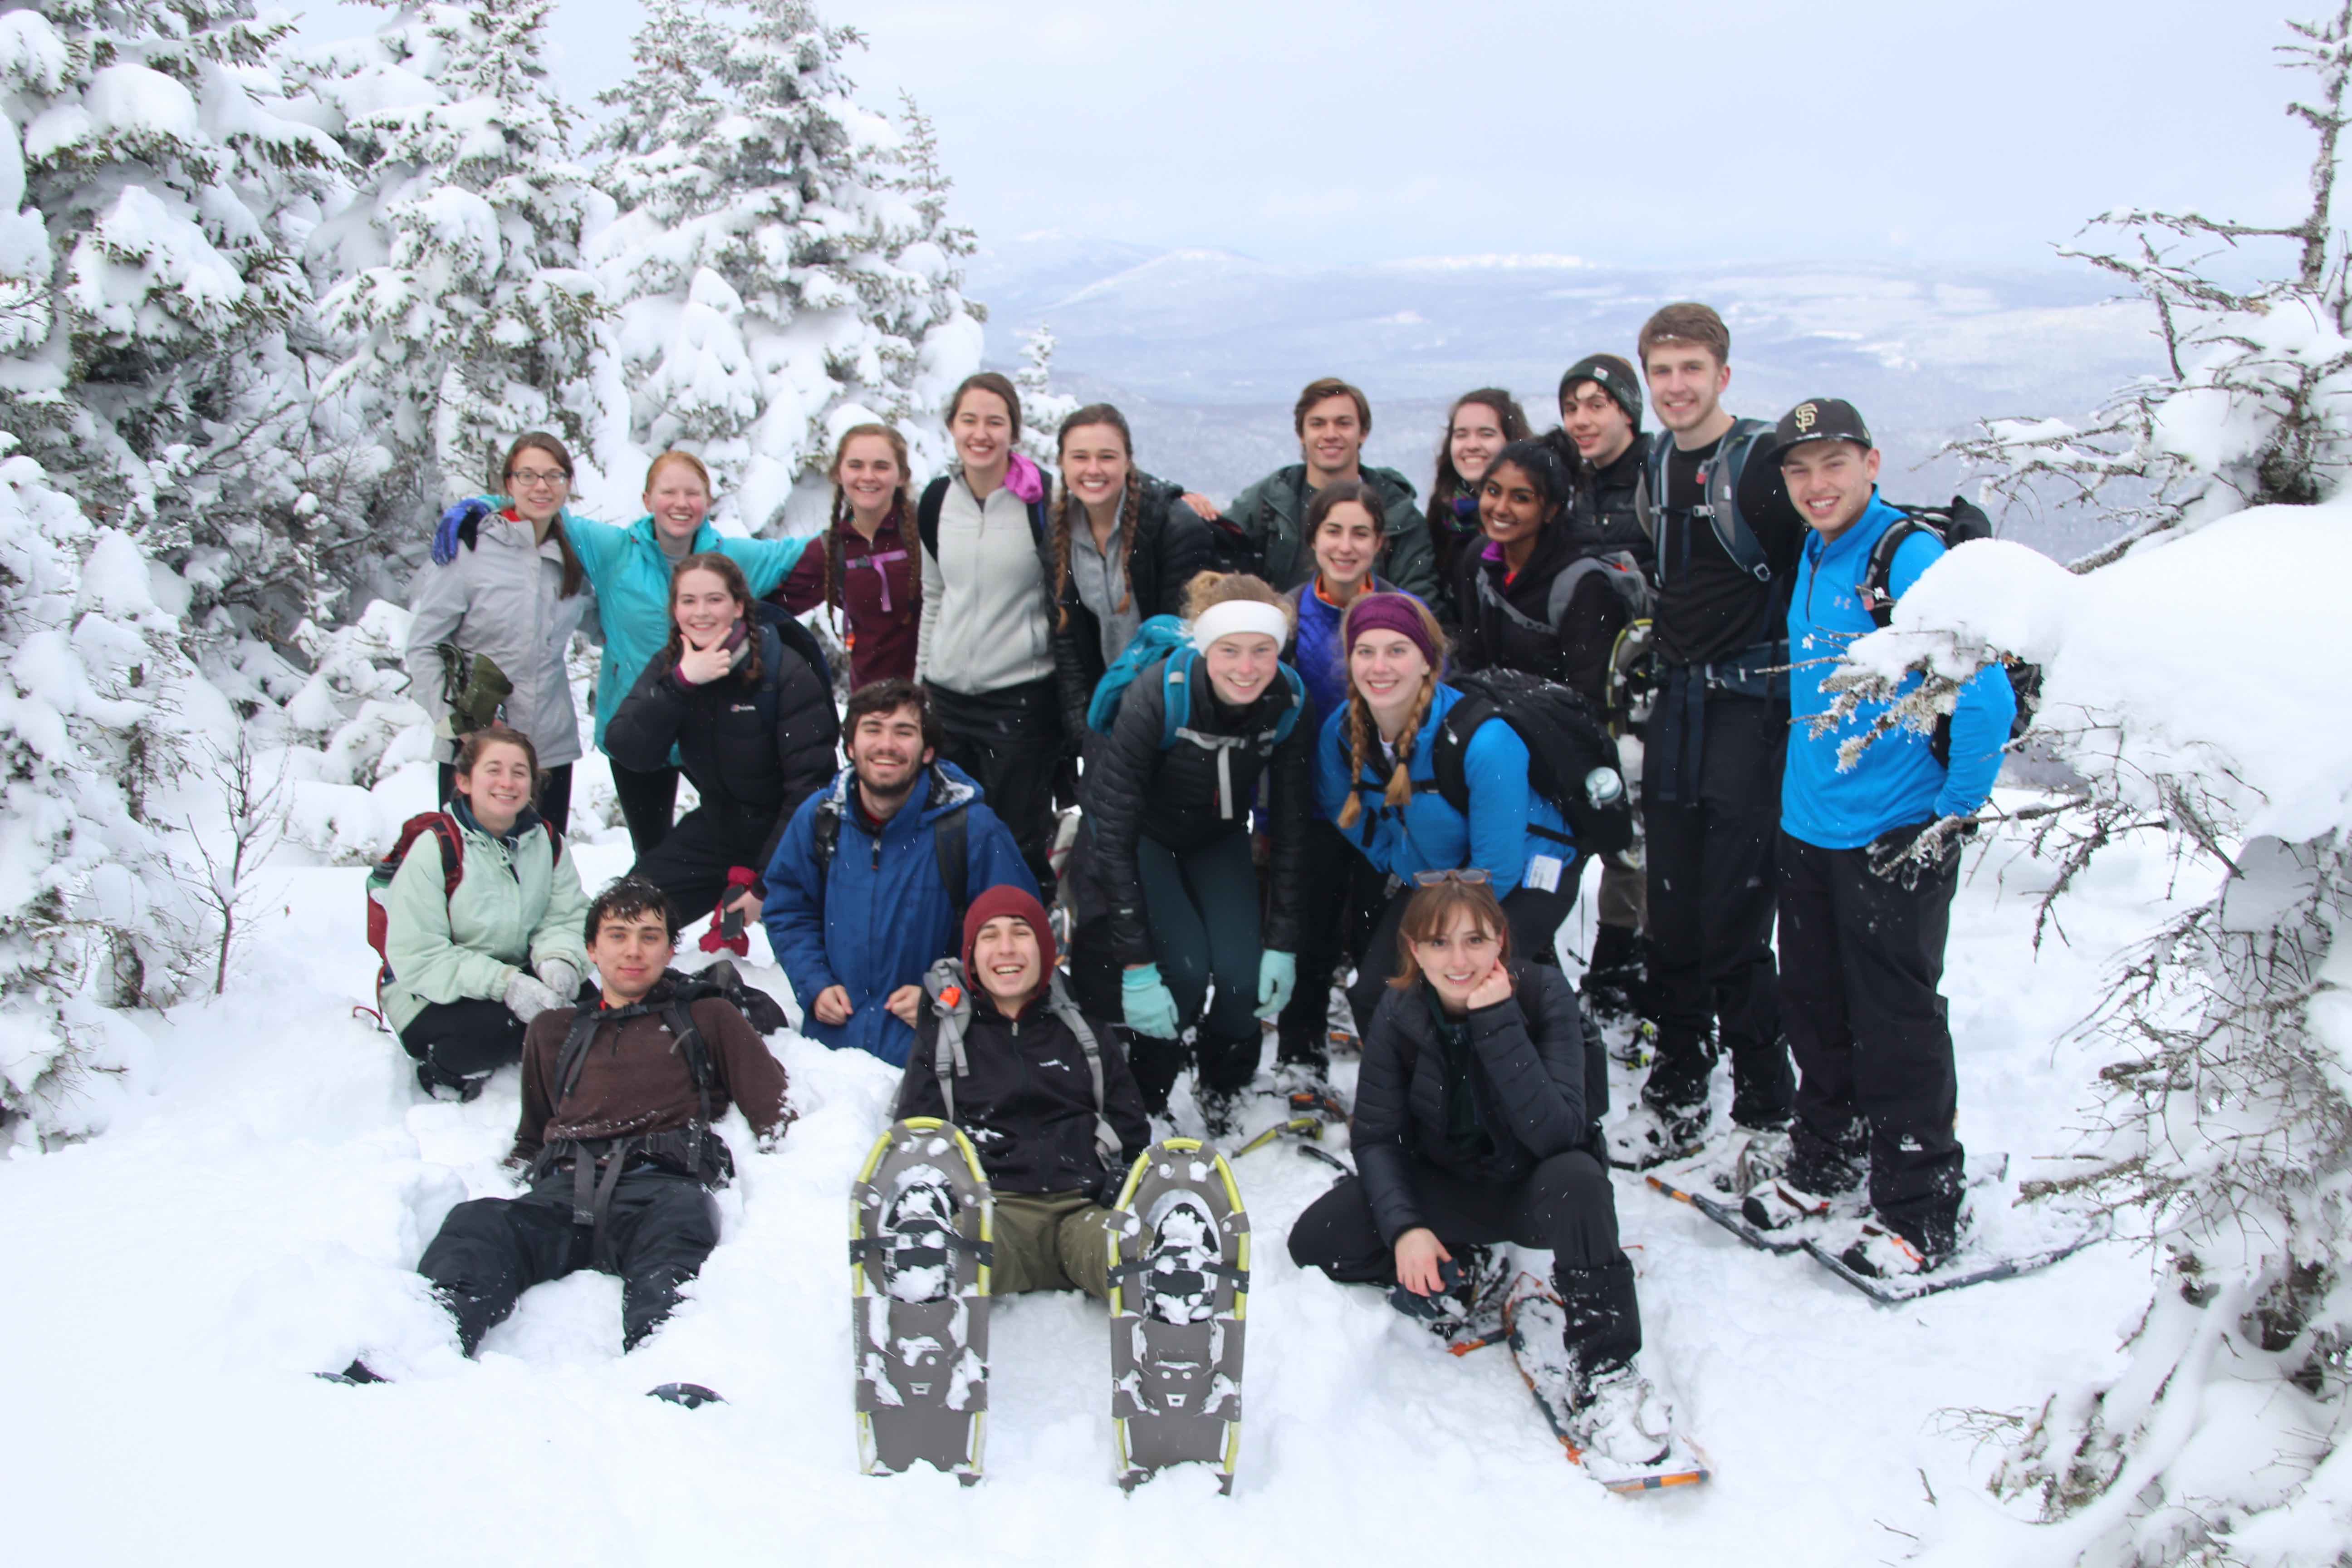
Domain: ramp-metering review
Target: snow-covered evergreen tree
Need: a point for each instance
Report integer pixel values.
(1041, 408)
(150, 280)
(461, 289)
(783, 253)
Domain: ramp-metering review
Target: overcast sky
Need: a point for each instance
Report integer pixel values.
(1969, 131)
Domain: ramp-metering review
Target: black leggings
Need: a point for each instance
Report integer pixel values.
(464, 1039)
(1535, 918)
(554, 802)
(1340, 902)
(648, 801)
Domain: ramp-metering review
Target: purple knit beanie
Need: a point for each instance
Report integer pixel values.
(1399, 612)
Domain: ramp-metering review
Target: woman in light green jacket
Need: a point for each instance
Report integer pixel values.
(473, 965)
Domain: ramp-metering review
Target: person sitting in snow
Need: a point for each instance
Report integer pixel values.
(859, 901)
(471, 965)
(1869, 860)
(1477, 1122)
(1043, 1092)
(619, 1098)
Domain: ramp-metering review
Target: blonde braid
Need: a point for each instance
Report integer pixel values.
(1062, 559)
(1134, 504)
(1360, 752)
(1400, 790)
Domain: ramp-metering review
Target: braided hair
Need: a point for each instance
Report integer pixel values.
(1066, 515)
(1361, 731)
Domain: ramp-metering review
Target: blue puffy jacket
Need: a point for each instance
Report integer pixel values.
(631, 577)
(878, 916)
(1509, 827)
(1897, 781)
(1317, 655)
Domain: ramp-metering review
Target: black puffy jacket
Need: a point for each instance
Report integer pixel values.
(1607, 511)
(1184, 798)
(1026, 1100)
(1171, 548)
(753, 749)
(1539, 1086)
(1550, 620)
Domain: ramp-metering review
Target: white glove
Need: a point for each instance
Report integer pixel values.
(562, 978)
(527, 999)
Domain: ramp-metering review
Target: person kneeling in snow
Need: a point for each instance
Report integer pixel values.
(1477, 1123)
(1043, 1092)
(1869, 859)
(618, 1102)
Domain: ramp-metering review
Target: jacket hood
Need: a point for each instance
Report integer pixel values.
(939, 789)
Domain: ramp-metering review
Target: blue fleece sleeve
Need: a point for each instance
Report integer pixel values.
(991, 859)
(1987, 704)
(596, 544)
(766, 563)
(1495, 766)
(794, 911)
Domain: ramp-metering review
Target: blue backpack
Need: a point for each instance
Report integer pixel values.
(1165, 637)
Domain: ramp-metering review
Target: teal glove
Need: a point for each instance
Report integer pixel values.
(1151, 1007)
(1277, 977)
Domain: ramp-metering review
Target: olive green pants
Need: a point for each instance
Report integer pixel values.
(1052, 1241)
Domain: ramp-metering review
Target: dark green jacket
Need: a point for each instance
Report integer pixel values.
(1272, 512)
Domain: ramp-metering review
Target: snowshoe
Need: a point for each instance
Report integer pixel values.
(1776, 1203)
(692, 1395)
(1790, 1231)
(922, 1221)
(1763, 1156)
(1615, 1426)
(1179, 1300)
(1221, 1111)
(1891, 1270)
(1646, 1137)
(1292, 1126)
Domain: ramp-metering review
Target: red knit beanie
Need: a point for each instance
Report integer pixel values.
(1022, 905)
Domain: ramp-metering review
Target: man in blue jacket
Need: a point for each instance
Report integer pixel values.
(1868, 859)
(869, 884)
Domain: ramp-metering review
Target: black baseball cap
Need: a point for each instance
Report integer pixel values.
(1821, 419)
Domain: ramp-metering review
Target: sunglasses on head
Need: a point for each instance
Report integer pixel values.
(1470, 877)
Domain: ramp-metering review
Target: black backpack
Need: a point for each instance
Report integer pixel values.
(1567, 744)
(948, 842)
(1955, 524)
(935, 495)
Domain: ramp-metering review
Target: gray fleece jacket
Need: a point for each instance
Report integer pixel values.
(985, 622)
(500, 598)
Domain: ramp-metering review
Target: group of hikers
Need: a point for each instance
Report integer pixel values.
(1310, 738)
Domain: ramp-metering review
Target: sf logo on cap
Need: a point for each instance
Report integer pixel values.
(1805, 415)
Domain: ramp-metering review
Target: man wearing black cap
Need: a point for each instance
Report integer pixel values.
(1726, 543)
(1868, 859)
(1600, 441)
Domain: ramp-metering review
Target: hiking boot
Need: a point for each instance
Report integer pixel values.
(439, 1085)
(1650, 1136)
(1619, 1417)
(1764, 1155)
(1302, 1076)
(358, 1373)
(1777, 1203)
(1882, 1252)
(1221, 1111)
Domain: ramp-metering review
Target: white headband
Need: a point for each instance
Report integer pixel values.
(1239, 615)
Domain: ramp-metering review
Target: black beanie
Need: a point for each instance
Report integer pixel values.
(1614, 376)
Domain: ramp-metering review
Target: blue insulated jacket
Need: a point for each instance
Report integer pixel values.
(878, 916)
(1896, 781)
(1317, 655)
(1500, 833)
(631, 577)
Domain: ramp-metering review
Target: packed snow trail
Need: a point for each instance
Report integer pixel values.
(269, 1178)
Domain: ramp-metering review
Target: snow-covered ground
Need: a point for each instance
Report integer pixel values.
(270, 1176)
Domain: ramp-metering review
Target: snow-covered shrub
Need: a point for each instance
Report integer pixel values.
(2193, 681)
(782, 254)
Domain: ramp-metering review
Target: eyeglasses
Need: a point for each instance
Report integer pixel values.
(1469, 877)
(525, 478)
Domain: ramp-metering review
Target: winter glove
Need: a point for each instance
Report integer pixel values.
(559, 976)
(527, 999)
(1150, 1005)
(1920, 852)
(1277, 977)
(444, 538)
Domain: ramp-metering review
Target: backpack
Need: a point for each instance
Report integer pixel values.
(950, 1004)
(1572, 761)
(1718, 479)
(444, 828)
(948, 843)
(1165, 637)
(935, 495)
(1956, 523)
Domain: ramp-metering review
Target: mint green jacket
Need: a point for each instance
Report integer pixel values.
(518, 906)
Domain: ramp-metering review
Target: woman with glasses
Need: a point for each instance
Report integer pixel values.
(1376, 779)
(491, 620)
(629, 568)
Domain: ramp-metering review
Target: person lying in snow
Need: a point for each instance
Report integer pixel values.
(1043, 1092)
(618, 1102)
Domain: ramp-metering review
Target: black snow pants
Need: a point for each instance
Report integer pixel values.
(1710, 818)
(491, 1250)
(1010, 742)
(459, 1040)
(691, 862)
(1338, 899)
(1860, 961)
(1565, 1205)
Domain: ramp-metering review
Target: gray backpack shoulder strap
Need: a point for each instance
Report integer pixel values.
(1058, 1001)
(951, 1003)
(1617, 568)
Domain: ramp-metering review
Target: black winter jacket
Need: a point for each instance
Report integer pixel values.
(1171, 548)
(1606, 515)
(1132, 787)
(1549, 621)
(1539, 1086)
(1026, 1101)
(754, 752)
